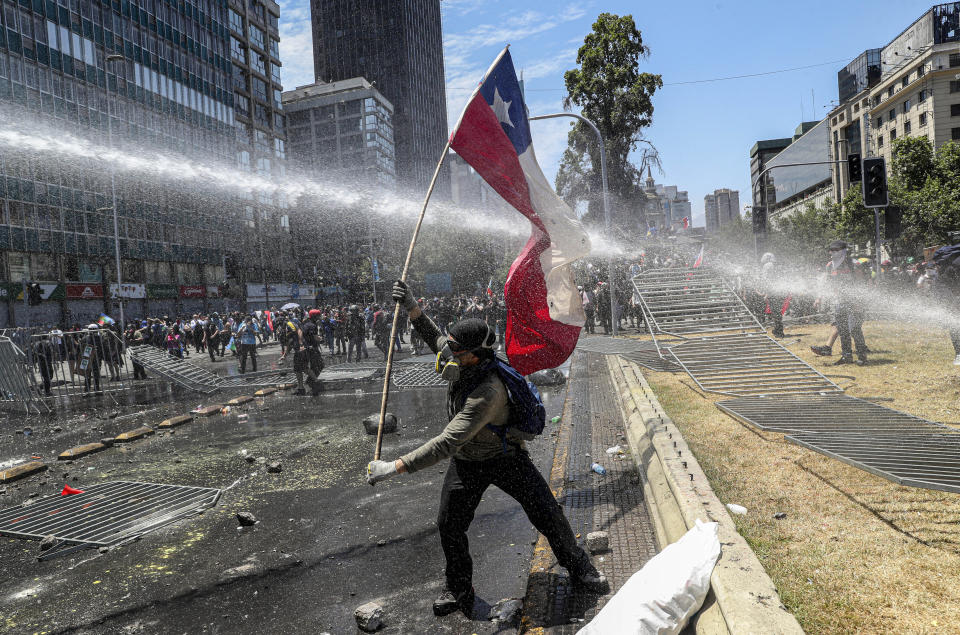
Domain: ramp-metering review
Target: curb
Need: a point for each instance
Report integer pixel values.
(23, 470)
(678, 493)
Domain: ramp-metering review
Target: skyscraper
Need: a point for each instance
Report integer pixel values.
(398, 47)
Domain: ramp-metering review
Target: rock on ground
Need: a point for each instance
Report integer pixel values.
(246, 519)
(597, 541)
(369, 617)
(275, 467)
(506, 611)
(547, 377)
(371, 423)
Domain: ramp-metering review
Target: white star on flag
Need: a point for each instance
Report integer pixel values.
(501, 108)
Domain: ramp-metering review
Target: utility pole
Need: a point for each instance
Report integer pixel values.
(113, 192)
(606, 208)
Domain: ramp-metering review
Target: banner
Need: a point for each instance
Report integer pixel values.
(437, 283)
(84, 291)
(193, 291)
(162, 291)
(128, 290)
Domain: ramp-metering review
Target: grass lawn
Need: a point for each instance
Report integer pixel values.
(855, 553)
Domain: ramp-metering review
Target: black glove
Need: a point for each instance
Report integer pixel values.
(403, 295)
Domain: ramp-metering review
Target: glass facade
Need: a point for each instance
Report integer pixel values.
(862, 73)
(813, 146)
(946, 23)
(170, 84)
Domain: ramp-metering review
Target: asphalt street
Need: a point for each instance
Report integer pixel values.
(325, 542)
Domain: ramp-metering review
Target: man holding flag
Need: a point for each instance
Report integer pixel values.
(544, 318)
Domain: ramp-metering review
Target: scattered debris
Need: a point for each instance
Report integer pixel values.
(274, 468)
(780, 515)
(548, 377)
(506, 611)
(369, 617)
(250, 458)
(614, 450)
(371, 423)
(598, 541)
(107, 441)
(739, 510)
(599, 469)
(246, 519)
(48, 543)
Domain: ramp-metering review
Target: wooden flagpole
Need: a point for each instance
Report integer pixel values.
(397, 309)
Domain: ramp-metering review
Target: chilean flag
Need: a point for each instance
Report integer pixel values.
(544, 310)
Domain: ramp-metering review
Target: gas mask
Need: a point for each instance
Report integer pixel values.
(447, 365)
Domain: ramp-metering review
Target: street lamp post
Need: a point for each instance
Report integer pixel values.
(606, 207)
(113, 193)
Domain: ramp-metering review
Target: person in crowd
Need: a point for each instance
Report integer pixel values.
(845, 276)
(247, 335)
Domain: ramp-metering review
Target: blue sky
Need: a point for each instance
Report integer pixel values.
(704, 131)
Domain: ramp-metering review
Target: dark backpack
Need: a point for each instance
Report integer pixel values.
(527, 413)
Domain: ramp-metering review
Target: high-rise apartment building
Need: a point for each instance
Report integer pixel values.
(721, 208)
(398, 47)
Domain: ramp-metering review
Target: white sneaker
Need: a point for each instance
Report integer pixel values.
(956, 360)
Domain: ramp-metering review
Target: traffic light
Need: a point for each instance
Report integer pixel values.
(759, 220)
(892, 222)
(875, 183)
(854, 168)
(34, 294)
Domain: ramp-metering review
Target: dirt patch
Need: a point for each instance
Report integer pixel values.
(855, 553)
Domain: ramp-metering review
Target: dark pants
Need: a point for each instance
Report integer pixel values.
(849, 323)
(776, 306)
(138, 370)
(589, 322)
(46, 372)
(212, 347)
(251, 350)
(955, 338)
(92, 373)
(463, 487)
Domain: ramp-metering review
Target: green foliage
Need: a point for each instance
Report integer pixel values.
(611, 91)
(804, 236)
(853, 222)
(925, 184)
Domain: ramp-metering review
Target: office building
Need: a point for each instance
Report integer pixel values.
(761, 152)
(665, 208)
(850, 119)
(398, 47)
(341, 129)
(721, 208)
(154, 76)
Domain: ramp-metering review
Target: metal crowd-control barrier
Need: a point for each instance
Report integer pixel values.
(65, 365)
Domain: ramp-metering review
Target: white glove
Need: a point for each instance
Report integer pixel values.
(380, 471)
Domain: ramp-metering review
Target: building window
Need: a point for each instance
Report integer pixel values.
(880, 141)
(922, 120)
(892, 115)
(890, 92)
(879, 120)
(955, 134)
(904, 81)
(955, 110)
(256, 36)
(236, 22)
(922, 96)
(834, 121)
(906, 106)
(237, 49)
(954, 60)
(954, 86)
(856, 108)
(920, 71)
(893, 134)
(906, 128)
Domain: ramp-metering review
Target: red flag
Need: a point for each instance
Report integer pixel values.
(699, 258)
(69, 491)
(786, 305)
(269, 319)
(544, 309)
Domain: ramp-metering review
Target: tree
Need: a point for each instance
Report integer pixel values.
(925, 184)
(612, 92)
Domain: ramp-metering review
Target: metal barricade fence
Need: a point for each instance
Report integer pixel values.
(60, 365)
